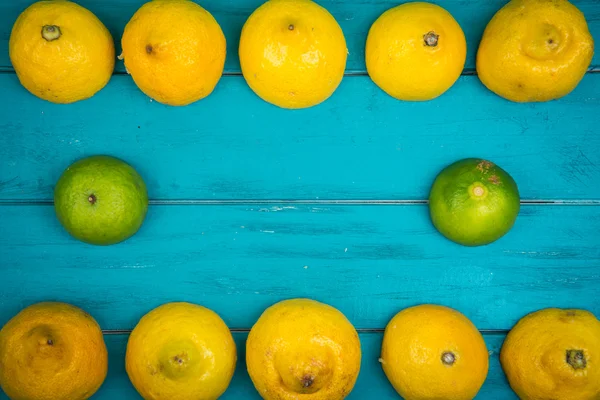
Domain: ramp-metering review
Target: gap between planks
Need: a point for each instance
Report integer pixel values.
(244, 202)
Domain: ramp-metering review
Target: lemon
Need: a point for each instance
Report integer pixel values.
(52, 351)
(303, 349)
(474, 202)
(61, 52)
(535, 50)
(174, 50)
(293, 53)
(180, 351)
(415, 51)
(432, 352)
(552, 353)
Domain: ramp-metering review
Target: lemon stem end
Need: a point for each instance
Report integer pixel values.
(51, 32)
(576, 359)
(448, 358)
(478, 191)
(431, 39)
(307, 381)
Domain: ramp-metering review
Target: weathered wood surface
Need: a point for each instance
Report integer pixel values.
(360, 144)
(354, 17)
(243, 192)
(369, 261)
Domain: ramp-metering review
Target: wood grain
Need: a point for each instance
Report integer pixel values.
(368, 261)
(361, 144)
(355, 18)
(371, 383)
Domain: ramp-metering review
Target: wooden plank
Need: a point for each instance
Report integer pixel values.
(361, 144)
(355, 17)
(368, 261)
(372, 382)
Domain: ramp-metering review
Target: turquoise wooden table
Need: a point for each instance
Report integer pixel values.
(252, 204)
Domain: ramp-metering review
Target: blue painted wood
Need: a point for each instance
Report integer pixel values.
(361, 144)
(371, 384)
(355, 18)
(368, 261)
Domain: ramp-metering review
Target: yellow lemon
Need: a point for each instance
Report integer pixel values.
(174, 50)
(535, 50)
(553, 354)
(61, 52)
(432, 352)
(52, 351)
(415, 51)
(180, 351)
(303, 349)
(293, 53)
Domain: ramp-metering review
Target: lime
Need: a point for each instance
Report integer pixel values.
(473, 202)
(101, 200)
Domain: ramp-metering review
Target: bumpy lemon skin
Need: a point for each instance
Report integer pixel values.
(400, 61)
(292, 53)
(71, 68)
(52, 351)
(414, 342)
(303, 349)
(535, 50)
(181, 351)
(534, 355)
(174, 50)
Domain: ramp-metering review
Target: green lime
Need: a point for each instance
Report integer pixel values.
(101, 200)
(473, 202)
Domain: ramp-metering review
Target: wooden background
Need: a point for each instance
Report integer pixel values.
(252, 204)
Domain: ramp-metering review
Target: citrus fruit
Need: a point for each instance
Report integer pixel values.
(473, 202)
(415, 51)
(293, 53)
(52, 351)
(432, 352)
(101, 200)
(535, 50)
(180, 351)
(552, 354)
(301, 348)
(174, 51)
(61, 52)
